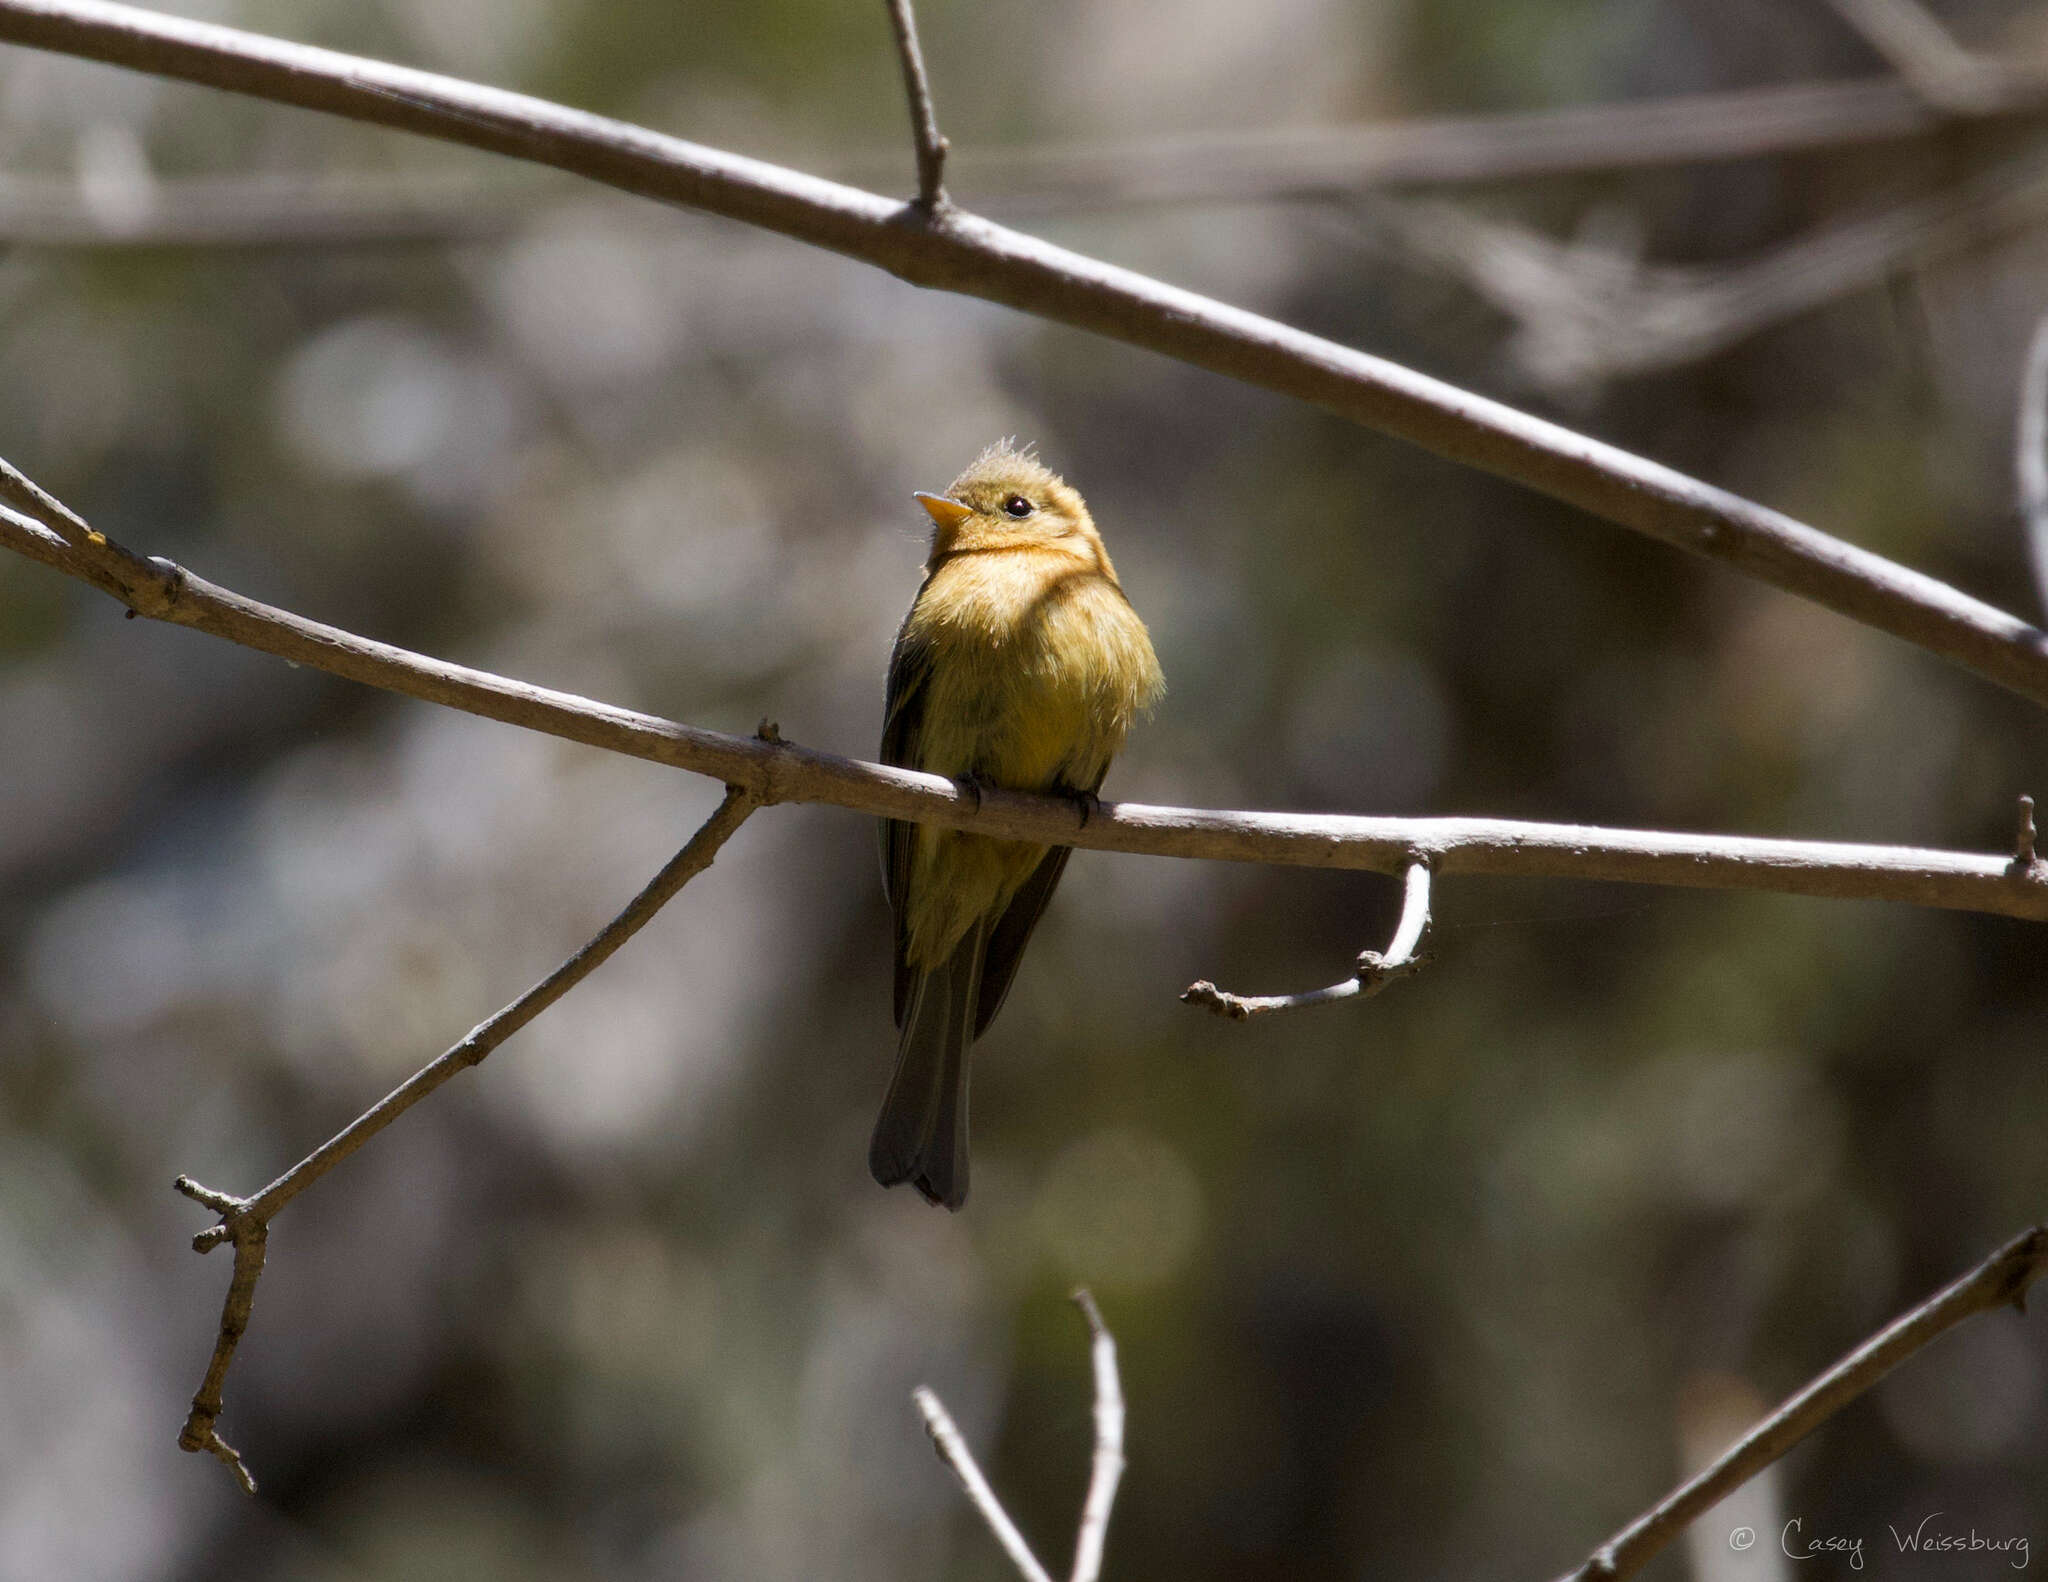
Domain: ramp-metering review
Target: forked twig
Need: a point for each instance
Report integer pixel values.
(246, 1221)
(1106, 1468)
(1374, 972)
(1950, 78)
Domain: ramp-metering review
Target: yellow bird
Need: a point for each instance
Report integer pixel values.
(1021, 664)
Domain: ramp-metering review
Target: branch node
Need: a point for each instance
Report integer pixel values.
(2024, 858)
(1206, 995)
(229, 1456)
(931, 200)
(225, 1204)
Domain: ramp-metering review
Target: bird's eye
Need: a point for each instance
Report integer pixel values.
(1017, 506)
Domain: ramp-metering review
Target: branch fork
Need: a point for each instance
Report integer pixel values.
(245, 1222)
(1106, 1468)
(931, 147)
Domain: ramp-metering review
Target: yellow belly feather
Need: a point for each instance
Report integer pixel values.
(1039, 667)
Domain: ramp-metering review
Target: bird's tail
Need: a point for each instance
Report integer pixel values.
(922, 1134)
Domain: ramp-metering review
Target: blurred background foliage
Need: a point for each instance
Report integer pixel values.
(1419, 1287)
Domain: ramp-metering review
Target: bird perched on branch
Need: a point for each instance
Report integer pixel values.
(1021, 664)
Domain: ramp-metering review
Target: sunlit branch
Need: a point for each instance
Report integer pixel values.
(245, 1222)
(924, 121)
(1262, 165)
(779, 771)
(2031, 456)
(955, 251)
(1375, 969)
(1106, 1466)
(2001, 1280)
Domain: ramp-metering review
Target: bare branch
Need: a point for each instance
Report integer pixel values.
(952, 1448)
(1587, 313)
(1107, 1468)
(1327, 161)
(246, 1221)
(1279, 164)
(250, 1237)
(778, 771)
(1374, 972)
(2031, 456)
(959, 252)
(924, 120)
(1950, 78)
(2000, 1280)
(46, 509)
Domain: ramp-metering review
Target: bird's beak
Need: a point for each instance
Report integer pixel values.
(947, 514)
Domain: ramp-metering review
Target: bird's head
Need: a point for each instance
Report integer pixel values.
(1008, 499)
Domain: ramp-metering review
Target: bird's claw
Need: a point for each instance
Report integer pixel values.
(974, 784)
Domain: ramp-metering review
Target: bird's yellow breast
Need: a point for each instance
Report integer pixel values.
(1039, 667)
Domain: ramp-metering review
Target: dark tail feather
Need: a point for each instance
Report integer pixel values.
(922, 1134)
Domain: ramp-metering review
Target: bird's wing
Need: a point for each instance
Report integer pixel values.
(910, 668)
(1012, 932)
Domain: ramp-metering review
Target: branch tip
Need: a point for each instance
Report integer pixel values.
(227, 1454)
(1371, 972)
(222, 1203)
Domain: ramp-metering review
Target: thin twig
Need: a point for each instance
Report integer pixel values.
(1107, 1468)
(952, 1448)
(1953, 80)
(314, 210)
(924, 120)
(1585, 314)
(1374, 972)
(973, 256)
(1273, 164)
(246, 1221)
(781, 771)
(23, 492)
(1309, 162)
(2001, 1280)
(250, 1237)
(2031, 456)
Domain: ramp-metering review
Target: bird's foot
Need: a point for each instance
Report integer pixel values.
(1089, 803)
(974, 783)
